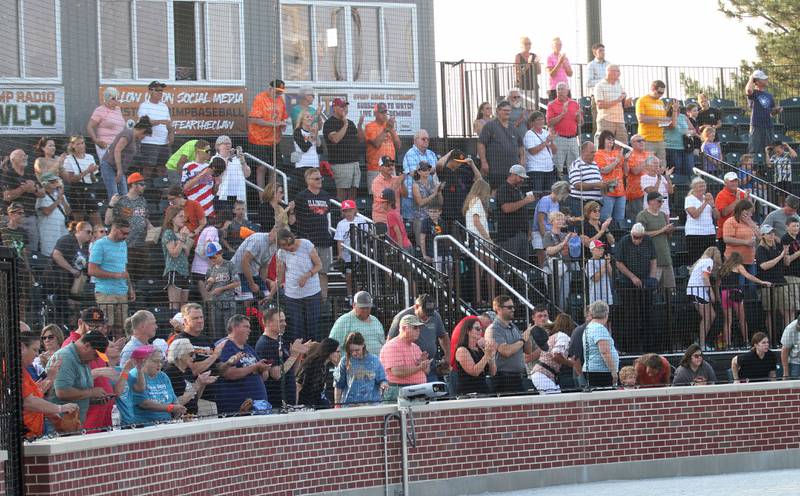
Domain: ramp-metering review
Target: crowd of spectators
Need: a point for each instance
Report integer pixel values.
(94, 235)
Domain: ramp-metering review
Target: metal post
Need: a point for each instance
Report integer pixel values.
(594, 26)
(721, 82)
(666, 79)
(404, 447)
(444, 103)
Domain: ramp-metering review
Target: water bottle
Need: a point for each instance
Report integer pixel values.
(115, 417)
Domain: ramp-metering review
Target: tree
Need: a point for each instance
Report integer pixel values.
(777, 39)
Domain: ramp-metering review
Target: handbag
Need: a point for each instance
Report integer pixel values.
(78, 285)
(92, 191)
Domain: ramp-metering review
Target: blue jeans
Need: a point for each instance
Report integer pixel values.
(760, 137)
(682, 160)
(794, 370)
(303, 317)
(614, 207)
(109, 175)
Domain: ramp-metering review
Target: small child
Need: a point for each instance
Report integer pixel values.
(430, 229)
(779, 157)
(396, 227)
(711, 149)
(230, 231)
(222, 279)
(627, 377)
(342, 238)
(746, 176)
(599, 272)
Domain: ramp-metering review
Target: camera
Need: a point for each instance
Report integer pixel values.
(422, 392)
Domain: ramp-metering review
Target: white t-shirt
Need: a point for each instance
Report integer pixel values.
(87, 161)
(200, 262)
(696, 285)
(343, 233)
(308, 158)
(232, 182)
(298, 263)
(599, 290)
(51, 227)
(476, 207)
(156, 112)
(648, 181)
(703, 225)
(542, 161)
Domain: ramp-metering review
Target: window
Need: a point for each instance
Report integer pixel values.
(30, 40)
(171, 40)
(356, 43)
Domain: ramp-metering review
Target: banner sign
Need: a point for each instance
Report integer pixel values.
(25, 110)
(195, 110)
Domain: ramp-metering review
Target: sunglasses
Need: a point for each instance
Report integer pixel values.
(48, 337)
(204, 150)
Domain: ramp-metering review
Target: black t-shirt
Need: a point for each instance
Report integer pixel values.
(9, 179)
(576, 342)
(457, 183)
(75, 255)
(765, 254)
(267, 349)
(312, 217)
(347, 149)
(509, 224)
(314, 377)
(201, 341)
(753, 368)
(179, 380)
(794, 246)
(590, 231)
(636, 258)
(431, 230)
(265, 215)
(709, 117)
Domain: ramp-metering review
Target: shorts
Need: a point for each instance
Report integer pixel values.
(371, 175)
(697, 299)
(729, 300)
(536, 241)
(178, 280)
(326, 257)
(776, 298)
(347, 175)
(151, 155)
(114, 306)
(350, 267)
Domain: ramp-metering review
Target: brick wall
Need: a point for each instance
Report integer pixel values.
(323, 452)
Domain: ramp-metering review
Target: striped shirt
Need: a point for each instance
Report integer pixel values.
(581, 172)
(203, 191)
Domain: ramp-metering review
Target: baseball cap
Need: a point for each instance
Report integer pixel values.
(93, 315)
(156, 84)
(458, 156)
(135, 178)
(15, 207)
(143, 352)
(245, 232)
(340, 102)
(730, 176)
(596, 244)
(178, 317)
(348, 205)
(386, 161)
(426, 301)
(213, 248)
(47, 177)
(411, 320)
(362, 299)
(96, 340)
(540, 337)
(654, 195)
(766, 229)
(278, 84)
(759, 74)
(575, 247)
(381, 108)
(518, 170)
(388, 194)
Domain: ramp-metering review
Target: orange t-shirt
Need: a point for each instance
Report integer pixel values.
(34, 421)
(271, 109)
(634, 184)
(739, 230)
(725, 198)
(193, 212)
(379, 206)
(371, 131)
(603, 158)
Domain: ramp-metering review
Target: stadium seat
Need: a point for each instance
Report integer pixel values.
(733, 158)
(793, 102)
(585, 102)
(726, 138)
(723, 103)
(732, 120)
(587, 137)
(781, 137)
(668, 101)
(690, 100)
(758, 159)
(630, 119)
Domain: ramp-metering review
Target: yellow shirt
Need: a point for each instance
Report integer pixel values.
(650, 106)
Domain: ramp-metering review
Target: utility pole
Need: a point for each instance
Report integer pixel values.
(594, 26)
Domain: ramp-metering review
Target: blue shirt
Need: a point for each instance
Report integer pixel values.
(125, 402)
(110, 256)
(673, 136)
(593, 360)
(545, 206)
(231, 394)
(158, 389)
(761, 103)
(411, 161)
(360, 382)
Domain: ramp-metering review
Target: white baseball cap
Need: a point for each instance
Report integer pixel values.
(730, 176)
(759, 74)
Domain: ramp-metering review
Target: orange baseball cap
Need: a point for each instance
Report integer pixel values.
(245, 232)
(135, 178)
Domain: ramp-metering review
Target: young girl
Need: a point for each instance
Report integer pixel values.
(359, 377)
(397, 229)
(306, 139)
(200, 262)
(476, 220)
(314, 372)
(176, 242)
(733, 297)
(701, 291)
(711, 149)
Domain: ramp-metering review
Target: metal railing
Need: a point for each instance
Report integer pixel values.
(715, 179)
(277, 171)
